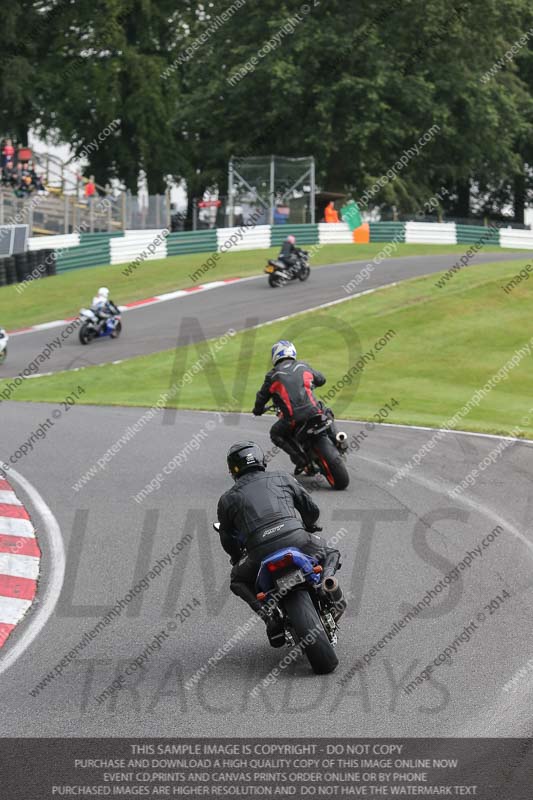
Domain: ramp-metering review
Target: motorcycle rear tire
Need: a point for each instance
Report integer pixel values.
(332, 463)
(84, 335)
(305, 622)
(274, 280)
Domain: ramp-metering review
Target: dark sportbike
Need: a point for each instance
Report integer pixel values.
(93, 327)
(323, 448)
(280, 274)
(289, 582)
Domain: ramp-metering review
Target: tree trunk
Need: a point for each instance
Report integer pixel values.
(519, 202)
(463, 199)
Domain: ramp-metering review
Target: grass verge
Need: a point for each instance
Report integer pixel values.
(445, 345)
(62, 296)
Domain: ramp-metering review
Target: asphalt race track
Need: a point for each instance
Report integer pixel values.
(163, 326)
(398, 541)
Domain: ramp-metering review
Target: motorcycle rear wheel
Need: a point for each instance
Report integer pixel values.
(332, 464)
(306, 624)
(274, 280)
(86, 333)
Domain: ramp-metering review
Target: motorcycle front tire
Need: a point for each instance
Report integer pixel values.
(117, 330)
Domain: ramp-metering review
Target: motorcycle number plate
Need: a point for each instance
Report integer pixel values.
(269, 269)
(287, 582)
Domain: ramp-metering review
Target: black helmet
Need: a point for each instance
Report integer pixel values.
(243, 456)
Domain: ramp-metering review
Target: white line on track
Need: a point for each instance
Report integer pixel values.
(380, 425)
(443, 486)
(501, 716)
(55, 555)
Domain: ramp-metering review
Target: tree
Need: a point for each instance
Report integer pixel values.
(106, 59)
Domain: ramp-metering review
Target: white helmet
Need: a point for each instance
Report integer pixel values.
(103, 291)
(281, 350)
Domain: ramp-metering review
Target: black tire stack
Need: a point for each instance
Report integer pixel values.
(49, 256)
(23, 266)
(29, 265)
(11, 272)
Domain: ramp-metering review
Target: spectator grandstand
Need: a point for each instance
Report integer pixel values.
(18, 169)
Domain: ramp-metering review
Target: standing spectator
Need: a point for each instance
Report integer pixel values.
(330, 213)
(8, 152)
(90, 190)
(8, 173)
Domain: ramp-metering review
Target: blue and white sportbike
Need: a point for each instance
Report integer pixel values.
(3, 345)
(93, 326)
(307, 608)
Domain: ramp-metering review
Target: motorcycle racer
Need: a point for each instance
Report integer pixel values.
(4, 338)
(289, 253)
(290, 384)
(264, 512)
(103, 306)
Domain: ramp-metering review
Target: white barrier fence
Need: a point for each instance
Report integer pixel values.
(523, 240)
(134, 245)
(431, 233)
(54, 242)
(256, 238)
(334, 233)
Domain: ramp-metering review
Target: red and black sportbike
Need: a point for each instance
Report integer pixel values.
(323, 447)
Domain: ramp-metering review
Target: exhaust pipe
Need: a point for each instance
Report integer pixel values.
(341, 439)
(334, 593)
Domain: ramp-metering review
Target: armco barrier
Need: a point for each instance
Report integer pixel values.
(55, 242)
(256, 237)
(387, 232)
(97, 254)
(430, 233)
(334, 233)
(75, 250)
(513, 238)
(99, 237)
(187, 242)
(474, 234)
(305, 234)
(138, 245)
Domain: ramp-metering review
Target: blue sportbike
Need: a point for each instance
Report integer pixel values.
(290, 582)
(93, 326)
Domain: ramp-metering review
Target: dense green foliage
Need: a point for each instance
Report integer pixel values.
(354, 84)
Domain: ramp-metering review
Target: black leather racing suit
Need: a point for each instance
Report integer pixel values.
(290, 386)
(262, 513)
(289, 254)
